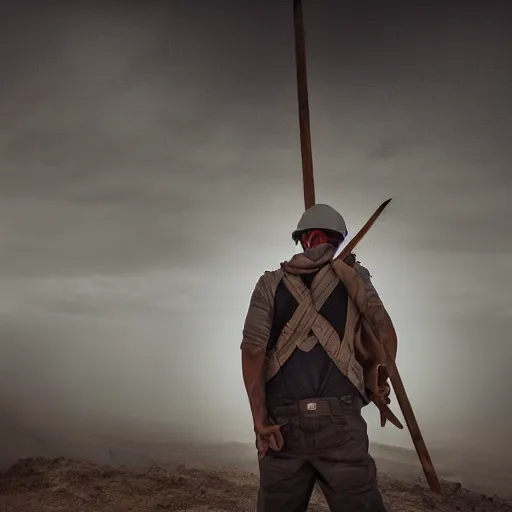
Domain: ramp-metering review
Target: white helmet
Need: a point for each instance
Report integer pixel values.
(320, 216)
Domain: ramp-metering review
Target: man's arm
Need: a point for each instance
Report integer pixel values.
(258, 323)
(376, 314)
(381, 329)
(253, 359)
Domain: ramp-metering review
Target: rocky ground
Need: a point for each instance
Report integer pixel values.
(50, 485)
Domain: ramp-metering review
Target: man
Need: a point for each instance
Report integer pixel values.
(312, 356)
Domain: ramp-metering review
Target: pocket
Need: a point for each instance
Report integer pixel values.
(312, 424)
(287, 431)
(357, 430)
(347, 409)
(333, 435)
(339, 419)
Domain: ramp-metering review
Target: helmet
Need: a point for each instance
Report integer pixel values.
(320, 216)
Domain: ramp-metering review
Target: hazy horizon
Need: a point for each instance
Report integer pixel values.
(150, 172)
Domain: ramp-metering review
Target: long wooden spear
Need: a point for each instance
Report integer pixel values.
(309, 200)
(302, 92)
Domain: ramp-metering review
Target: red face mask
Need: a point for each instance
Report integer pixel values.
(314, 238)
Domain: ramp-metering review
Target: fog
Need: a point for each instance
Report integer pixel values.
(150, 172)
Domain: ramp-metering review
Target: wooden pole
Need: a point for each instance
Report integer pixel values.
(302, 92)
(309, 200)
(412, 424)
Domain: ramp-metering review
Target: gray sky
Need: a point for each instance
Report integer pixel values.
(150, 172)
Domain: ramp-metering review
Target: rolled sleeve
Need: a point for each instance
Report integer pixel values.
(260, 315)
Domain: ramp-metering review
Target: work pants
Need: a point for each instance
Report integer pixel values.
(325, 442)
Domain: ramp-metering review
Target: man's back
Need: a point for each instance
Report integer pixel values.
(312, 373)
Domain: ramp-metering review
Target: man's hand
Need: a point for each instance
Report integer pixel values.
(382, 395)
(381, 399)
(268, 436)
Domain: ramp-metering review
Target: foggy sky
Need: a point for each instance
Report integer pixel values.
(150, 172)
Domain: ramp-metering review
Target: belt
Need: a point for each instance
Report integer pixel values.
(324, 406)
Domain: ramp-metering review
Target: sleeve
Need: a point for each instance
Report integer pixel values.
(375, 312)
(260, 315)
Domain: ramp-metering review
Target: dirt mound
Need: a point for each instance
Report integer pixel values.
(63, 485)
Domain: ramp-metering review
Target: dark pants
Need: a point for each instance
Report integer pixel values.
(326, 442)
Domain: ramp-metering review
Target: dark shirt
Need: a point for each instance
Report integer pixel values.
(310, 374)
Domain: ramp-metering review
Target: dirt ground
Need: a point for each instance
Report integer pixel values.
(40, 485)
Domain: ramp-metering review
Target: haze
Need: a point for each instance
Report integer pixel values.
(150, 172)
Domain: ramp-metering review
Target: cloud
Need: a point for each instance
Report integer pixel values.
(150, 172)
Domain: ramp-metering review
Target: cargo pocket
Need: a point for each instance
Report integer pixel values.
(310, 424)
(332, 434)
(357, 432)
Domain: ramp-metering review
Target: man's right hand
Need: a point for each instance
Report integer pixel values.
(268, 436)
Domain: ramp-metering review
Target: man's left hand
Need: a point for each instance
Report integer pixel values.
(268, 436)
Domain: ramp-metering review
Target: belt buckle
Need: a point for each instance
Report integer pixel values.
(311, 406)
